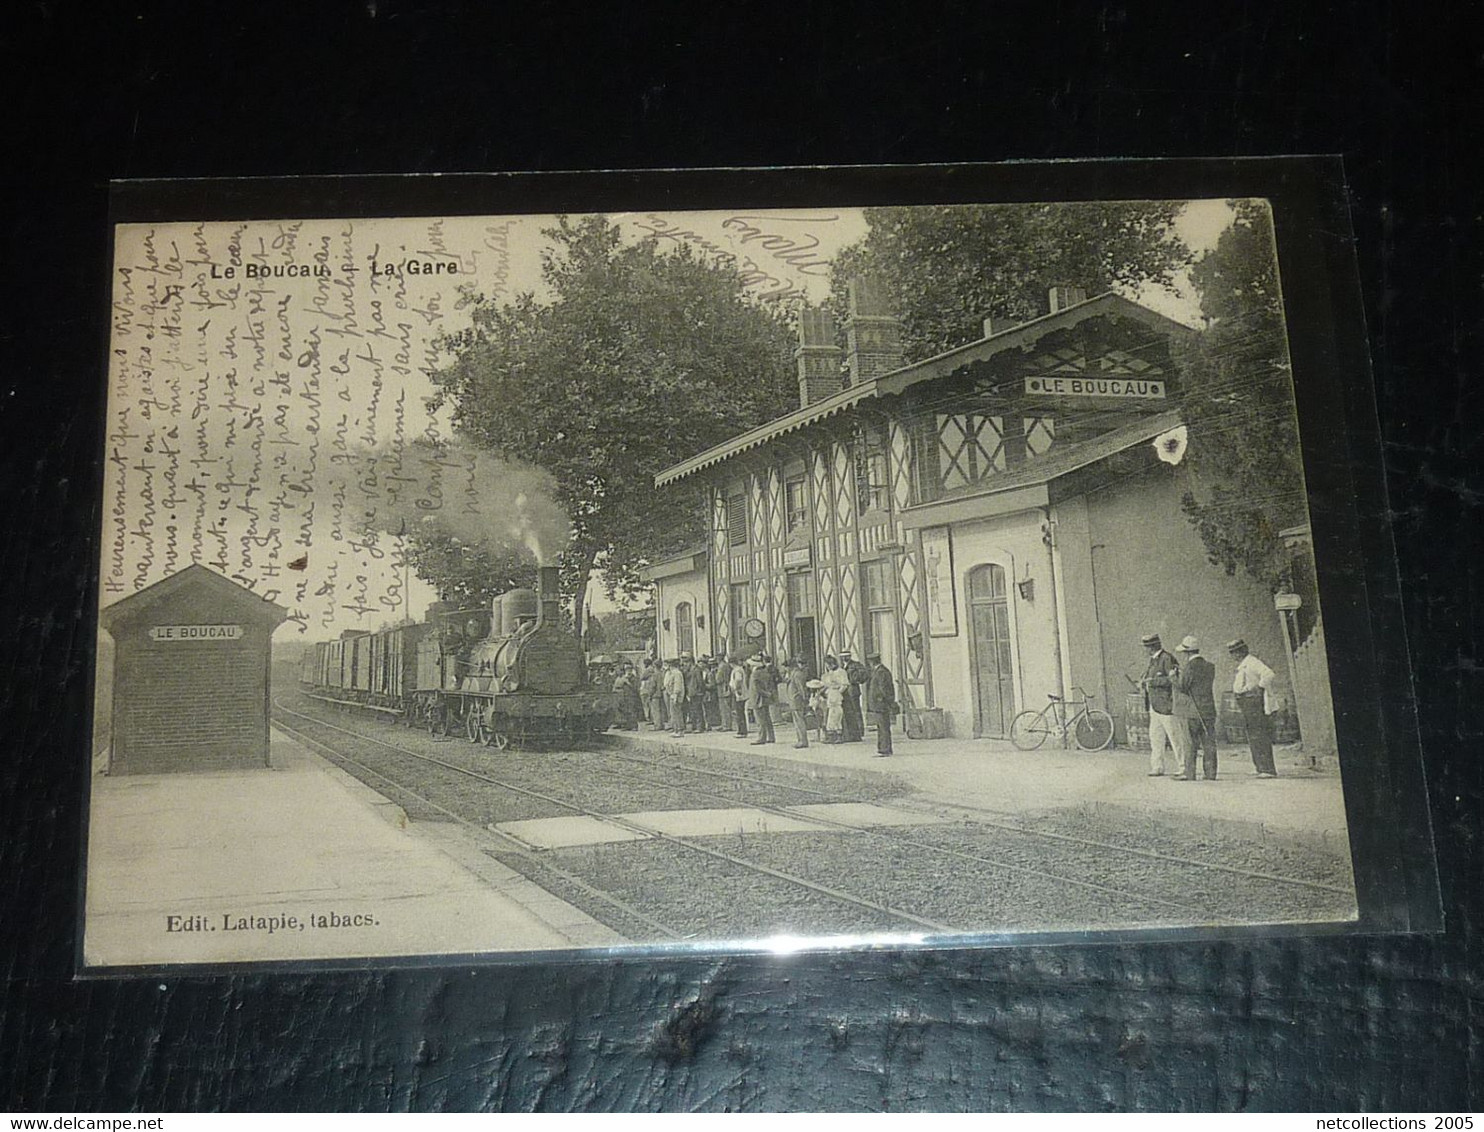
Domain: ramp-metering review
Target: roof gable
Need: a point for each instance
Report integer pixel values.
(940, 366)
(194, 577)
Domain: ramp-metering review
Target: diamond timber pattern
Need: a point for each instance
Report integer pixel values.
(849, 610)
(721, 622)
(775, 506)
(844, 487)
(780, 614)
(827, 617)
(970, 447)
(907, 575)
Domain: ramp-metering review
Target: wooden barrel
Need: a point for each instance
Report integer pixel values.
(1229, 725)
(925, 723)
(1136, 720)
(1283, 724)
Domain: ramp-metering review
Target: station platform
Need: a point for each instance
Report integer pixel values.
(993, 775)
(298, 861)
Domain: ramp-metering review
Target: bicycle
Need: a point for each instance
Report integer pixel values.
(1091, 727)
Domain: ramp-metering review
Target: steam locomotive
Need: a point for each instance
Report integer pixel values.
(508, 674)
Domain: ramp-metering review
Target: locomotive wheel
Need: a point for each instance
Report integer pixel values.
(479, 726)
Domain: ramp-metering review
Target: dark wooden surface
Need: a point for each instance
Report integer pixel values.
(161, 89)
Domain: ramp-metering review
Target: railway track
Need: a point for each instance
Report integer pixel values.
(983, 817)
(828, 891)
(1118, 879)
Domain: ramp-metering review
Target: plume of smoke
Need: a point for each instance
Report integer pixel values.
(453, 489)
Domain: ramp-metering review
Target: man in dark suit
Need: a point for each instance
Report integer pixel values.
(764, 689)
(725, 700)
(798, 700)
(881, 702)
(695, 708)
(1196, 677)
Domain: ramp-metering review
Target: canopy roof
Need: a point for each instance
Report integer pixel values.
(1019, 337)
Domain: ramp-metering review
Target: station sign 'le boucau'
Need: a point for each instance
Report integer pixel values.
(1130, 389)
(195, 632)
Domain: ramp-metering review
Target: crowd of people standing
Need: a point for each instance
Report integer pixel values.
(1180, 695)
(685, 695)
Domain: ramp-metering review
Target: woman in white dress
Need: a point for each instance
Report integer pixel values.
(835, 682)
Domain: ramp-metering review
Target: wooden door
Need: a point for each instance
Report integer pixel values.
(804, 644)
(989, 616)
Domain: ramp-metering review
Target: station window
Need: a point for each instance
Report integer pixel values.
(874, 593)
(740, 607)
(737, 519)
(795, 504)
(801, 594)
(870, 471)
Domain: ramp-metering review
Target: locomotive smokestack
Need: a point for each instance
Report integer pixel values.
(549, 594)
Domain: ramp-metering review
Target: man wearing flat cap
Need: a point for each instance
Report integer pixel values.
(797, 687)
(1165, 731)
(764, 691)
(1195, 705)
(1253, 686)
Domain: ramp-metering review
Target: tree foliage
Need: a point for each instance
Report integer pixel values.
(633, 359)
(1238, 405)
(948, 267)
(468, 574)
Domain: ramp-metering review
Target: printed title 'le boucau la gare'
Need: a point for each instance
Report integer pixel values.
(411, 266)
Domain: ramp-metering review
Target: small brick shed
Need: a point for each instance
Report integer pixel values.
(190, 675)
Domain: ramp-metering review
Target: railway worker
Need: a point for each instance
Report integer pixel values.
(1193, 693)
(1165, 731)
(798, 701)
(1253, 686)
(651, 694)
(881, 702)
(695, 719)
(763, 689)
(725, 701)
(741, 693)
(626, 686)
(710, 704)
(853, 726)
(675, 696)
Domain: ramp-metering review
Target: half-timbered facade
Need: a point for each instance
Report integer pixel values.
(996, 521)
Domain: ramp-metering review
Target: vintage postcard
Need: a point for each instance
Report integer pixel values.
(736, 577)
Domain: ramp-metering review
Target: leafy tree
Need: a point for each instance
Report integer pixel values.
(467, 573)
(1238, 405)
(948, 267)
(636, 359)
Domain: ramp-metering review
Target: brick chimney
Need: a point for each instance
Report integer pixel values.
(873, 334)
(1063, 295)
(817, 356)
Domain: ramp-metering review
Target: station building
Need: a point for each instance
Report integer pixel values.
(1002, 522)
(191, 667)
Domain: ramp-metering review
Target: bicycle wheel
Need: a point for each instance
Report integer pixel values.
(1028, 730)
(1094, 730)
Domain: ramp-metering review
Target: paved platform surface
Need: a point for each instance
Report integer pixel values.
(299, 861)
(992, 775)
